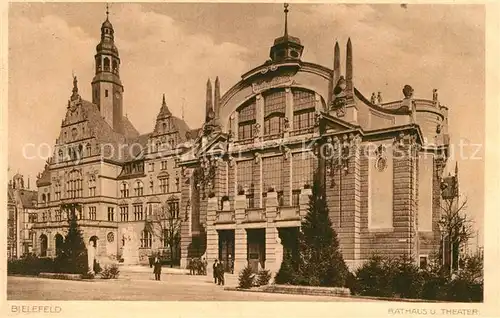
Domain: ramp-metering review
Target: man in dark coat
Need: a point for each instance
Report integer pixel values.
(220, 271)
(157, 268)
(215, 267)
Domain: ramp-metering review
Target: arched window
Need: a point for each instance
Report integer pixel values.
(164, 125)
(98, 63)
(246, 120)
(274, 112)
(59, 243)
(303, 110)
(124, 191)
(115, 66)
(43, 245)
(61, 155)
(139, 188)
(146, 239)
(44, 198)
(106, 64)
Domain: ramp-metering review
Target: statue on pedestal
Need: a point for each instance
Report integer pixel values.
(130, 246)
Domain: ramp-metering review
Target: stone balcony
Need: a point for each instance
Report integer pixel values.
(288, 213)
(255, 215)
(224, 217)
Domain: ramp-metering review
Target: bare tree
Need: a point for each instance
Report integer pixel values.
(456, 229)
(165, 225)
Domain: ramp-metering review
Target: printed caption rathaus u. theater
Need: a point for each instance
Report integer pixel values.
(239, 185)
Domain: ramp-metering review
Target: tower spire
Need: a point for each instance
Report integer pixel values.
(163, 103)
(107, 11)
(285, 5)
(217, 96)
(348, 68)
(209, 108)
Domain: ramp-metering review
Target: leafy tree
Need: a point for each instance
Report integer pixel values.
(320, 260)
(73, 255)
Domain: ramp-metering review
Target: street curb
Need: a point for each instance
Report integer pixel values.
(260, 290)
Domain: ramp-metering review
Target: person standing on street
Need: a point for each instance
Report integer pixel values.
(215, 267)
(157, 268)
(220, 270)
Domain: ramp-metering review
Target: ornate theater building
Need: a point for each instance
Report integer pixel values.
(239, 186)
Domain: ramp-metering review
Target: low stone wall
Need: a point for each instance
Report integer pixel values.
(61, 276)
(307, 290)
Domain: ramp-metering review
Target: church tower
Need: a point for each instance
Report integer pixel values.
(107, 89)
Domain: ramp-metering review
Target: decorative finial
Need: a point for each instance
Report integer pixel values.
(163, 101)
(75, 85)
(285, 5)
(107, 11)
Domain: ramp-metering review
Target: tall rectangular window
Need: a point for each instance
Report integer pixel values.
(173, 209)
(302, 169)
(111, 214)
(138, 212)
(92, 213)
(272, 169)
(164, 185)
(124, 213)
(246, 121)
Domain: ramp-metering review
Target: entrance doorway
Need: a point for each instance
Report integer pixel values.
(226, 248)
(256, 245)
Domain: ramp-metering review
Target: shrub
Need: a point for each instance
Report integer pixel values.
(407, 279)
(97, 267)
(436, 281)
(110, 272)
(351, 282)
(263, 277)
(246, 278)
(374, 278)
(88, 275)
(30, 265)
(286, 273)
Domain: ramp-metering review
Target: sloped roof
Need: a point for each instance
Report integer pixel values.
(44, 178)
(128, 129)
(27, 197)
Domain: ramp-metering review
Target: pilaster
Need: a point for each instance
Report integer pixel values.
(240, 235)
(212, 252)
(259, 115)
(271, 232)
(289, 109)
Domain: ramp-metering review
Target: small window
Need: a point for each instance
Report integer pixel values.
(106, 93)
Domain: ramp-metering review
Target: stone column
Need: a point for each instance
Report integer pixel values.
(271, 232)
(240, 235)
(186, 207)
(212, 237)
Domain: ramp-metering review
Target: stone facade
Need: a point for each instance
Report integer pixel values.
(240, 184)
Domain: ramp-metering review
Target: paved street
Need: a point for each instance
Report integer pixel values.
(171, 288)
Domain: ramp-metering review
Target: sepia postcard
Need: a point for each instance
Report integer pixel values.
(239, 159)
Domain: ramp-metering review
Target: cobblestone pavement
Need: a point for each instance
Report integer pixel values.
(171, 288)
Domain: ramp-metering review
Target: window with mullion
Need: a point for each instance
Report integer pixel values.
(302, 169)
(272, 169)
(303, 119)
(274, 124)
(245, 130)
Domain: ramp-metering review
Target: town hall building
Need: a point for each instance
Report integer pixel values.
(238, 187)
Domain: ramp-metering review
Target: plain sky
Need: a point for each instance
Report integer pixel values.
(174, 48)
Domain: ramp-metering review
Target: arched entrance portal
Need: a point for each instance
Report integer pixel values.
(59, 240)
(43, 245)
(92, 252)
